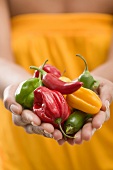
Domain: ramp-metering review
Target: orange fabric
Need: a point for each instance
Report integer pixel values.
(58, 38)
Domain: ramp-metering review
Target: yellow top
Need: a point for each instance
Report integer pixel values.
(58, 38)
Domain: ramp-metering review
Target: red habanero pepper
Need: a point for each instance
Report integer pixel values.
(54, 83)
(51, 107)
(49, 69)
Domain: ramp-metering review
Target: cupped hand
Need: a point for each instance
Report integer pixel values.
(105, 91)
(32, 124)
(26, 118)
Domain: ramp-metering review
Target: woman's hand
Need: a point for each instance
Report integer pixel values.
(25, 118)
(105, 92)
(32, 124)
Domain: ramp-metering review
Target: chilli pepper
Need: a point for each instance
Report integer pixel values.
(75, 121)
(65, 79)
(49, 69)
(85, 100)
(50, 106)
(24, 94)
(54, 83)
(87, 79)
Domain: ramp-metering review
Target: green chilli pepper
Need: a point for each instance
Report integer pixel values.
(24, 94)
(88, 81)
(75, 122)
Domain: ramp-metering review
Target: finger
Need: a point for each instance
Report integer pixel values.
(15, 108)
(86, 131)
(99, 119)
(35, 129)
(107, 104)
(28, 117)
(71, 141)
(57, 135)
(105, 96)
(41, 131)
(78, 138)
(38, 130)
(29, 129)
(17, 120)
(48, 135)
(9, 100)
(61, 141)
(107, 114)
(47, 127)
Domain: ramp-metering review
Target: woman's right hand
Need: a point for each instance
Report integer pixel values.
(26, 118)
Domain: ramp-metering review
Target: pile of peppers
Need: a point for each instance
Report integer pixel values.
(55, 99)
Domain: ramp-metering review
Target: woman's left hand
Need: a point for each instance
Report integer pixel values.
(105, 91)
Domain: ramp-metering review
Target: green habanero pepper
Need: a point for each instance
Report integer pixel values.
(24, 94)
(75, 122)
(88, 81)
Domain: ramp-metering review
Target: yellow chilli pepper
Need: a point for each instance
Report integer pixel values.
(65, 79)
(85, 100)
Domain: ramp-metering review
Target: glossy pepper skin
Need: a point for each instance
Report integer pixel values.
(65, 79)
(54, 83)
(85, 100)
(49, 69)
(87, 79)
(50, 106)
(75, 122)
(24, 94)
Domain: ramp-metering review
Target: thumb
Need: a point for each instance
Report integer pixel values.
(105, 97)
(9, 100)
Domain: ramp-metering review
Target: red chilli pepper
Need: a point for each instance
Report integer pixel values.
(54, 83)
(49, 69)
(51, 106)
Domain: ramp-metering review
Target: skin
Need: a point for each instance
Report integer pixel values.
(25, 118)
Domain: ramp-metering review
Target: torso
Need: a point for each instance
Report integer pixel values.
(60, 6)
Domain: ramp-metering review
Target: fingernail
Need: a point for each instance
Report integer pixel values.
(93, 131)
(100, 127)
(48, 135)
(13, 109)
(38, 130)
(33, 124)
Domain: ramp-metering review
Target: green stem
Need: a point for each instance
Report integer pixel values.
(68, 129)
(86, 65)
(44, 64)
(40, 70)
(58, 121)
(40, 74)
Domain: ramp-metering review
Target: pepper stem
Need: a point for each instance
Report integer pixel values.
(35, 68)
(68, 129)
(44, 64)
(58, 121)
(40, 69)
(86, 65)
(40, 74)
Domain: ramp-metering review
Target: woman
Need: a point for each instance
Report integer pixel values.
(54, 30)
